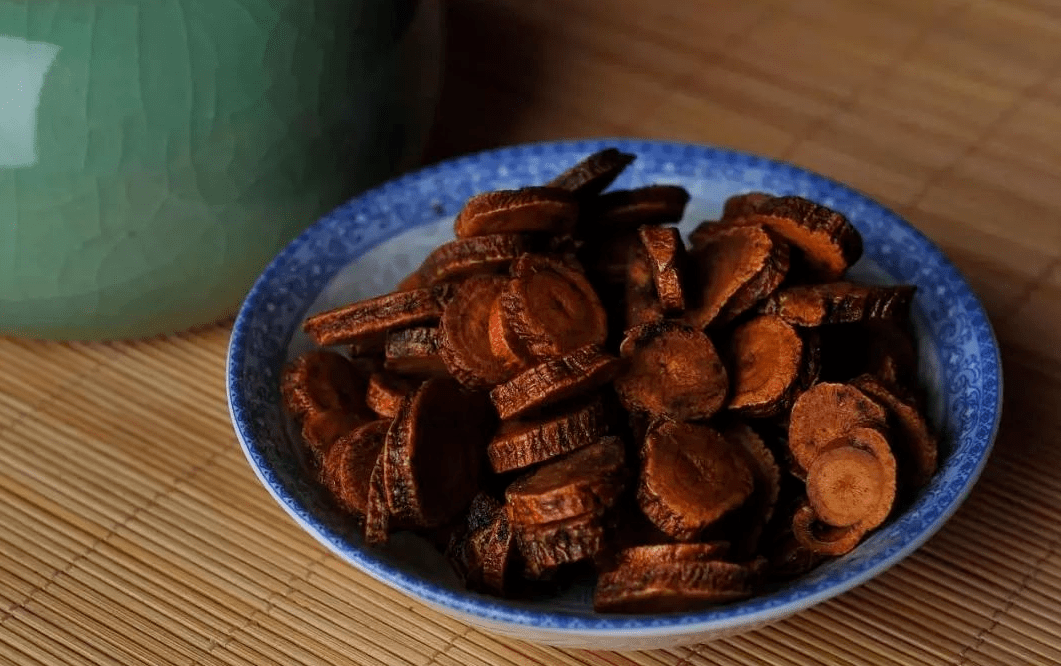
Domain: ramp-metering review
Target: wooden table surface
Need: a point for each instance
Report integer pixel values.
(135, 532)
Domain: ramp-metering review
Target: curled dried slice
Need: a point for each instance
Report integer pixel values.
(504, 344)
(348, 465)
(825, 412)
(414, 351)
(667, 588)
(477, 255)
(519, 444)
(742, 205)
(433, 452)
(629, 209)
(690, 477)
(852, 481)
(587, 480)
(674, 371)
(546, 547)
(765, 358)
(821, 539)
(666, 254)
(840, 303)
(325, 391)
(575, 373)
(828, 243)
(759, 509)
(642, 305)
(483, 549)
(673, 553)
(377, 515)
(547, 209)
(386, 391)
(733, 258)
(466, 349)
(918, 447)
(592, 175)
(368, 319)
(551, 308)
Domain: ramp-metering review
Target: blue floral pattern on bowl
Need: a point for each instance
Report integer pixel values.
(366, 245)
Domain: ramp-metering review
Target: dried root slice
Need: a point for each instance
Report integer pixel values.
(367, 320)
(740, 206)
(547, 547)
(765, 359)
(642, 305)
(483, 550)
(733, 258)
(840, 303)
(520, 444)
(325, 391)
(629, 209)
(414, 351)
(347, 468)
(674, 371)
(377, 515)
(669, 588)
(853, 481)
(788, 559)
(592, 175)
(826, 412)
(546, 209)
(690, 477)
(386, 391)
(760, 287)
(433, 451)
(504, 344)
(672, 553)
(578, 372)
(666, 254)
(759, 509)
(587, 481)
(820, 539)
(551, 308)
(477, 255)
(918, 446)
(828, 243)
(466, 349)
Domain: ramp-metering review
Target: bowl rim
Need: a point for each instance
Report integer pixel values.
(496, 611)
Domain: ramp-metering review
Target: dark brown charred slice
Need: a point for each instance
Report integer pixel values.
(759, 509)
(520, 444)
(761, 286)
(414, 351)
(853, 480)
(592, 175)
(828, 243)
(765, 357)
(577, 373)
(624, 210)
(377, 515)
(588, 480)
(641, 303)
(840, 303)
(742, 205)
(477, 255)
(551, 308)
(347, 467)
(673, 553)
(826, 412)
(667, 588)
(504, 344)
(386, 391)
(674, 371)
(326, 392)
(917, 446)
(548, 546)
(691, 476)
(482, 549)
(735, 257)
(531, 209)
(466, 348)
(368, 319)
(433, 452)
(820, 539)
(666, 254)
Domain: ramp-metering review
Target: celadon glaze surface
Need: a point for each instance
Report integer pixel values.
(155, 154)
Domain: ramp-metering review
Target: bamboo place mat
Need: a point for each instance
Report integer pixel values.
(133, 531)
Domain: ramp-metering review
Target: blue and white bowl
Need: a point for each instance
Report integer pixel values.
(367, 245)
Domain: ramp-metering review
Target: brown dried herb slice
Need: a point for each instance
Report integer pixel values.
(840, 303)
(347, 467)
(642, 305)
(548, 546)
(476, 255)
(377, 514)
(530, 209)
(592, 175)
(673, 371)
(551, 308)
(587, 480)
(386, 391)
(742, 205)
(666, 254)
(761, 286)
(733, 258)
(690, 477)
(853, 480)
(765, 357)
(482, 550)
(504, 344)
(326, 393)
(466, 349)
(629, 209)
(519, 444)
(759, 508)
(414, 351)
(368, 319)
(827, 241)
(918, 446)
(672, 553)
(826, 412)
(578, 372)
(820, 539)
(433, 452)
(668, 588)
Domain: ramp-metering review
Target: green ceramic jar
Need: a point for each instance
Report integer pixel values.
(155, 154)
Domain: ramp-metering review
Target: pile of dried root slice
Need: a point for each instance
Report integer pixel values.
(569, 387)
